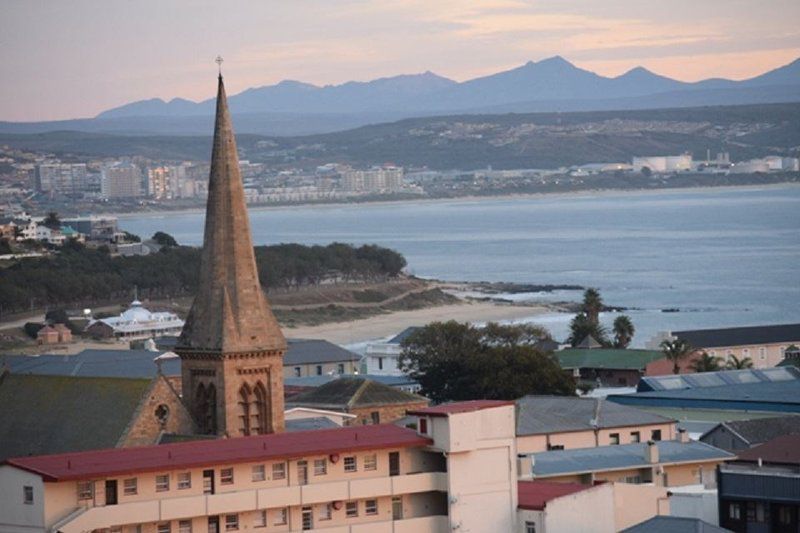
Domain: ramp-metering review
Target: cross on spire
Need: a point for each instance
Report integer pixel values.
(219, 61)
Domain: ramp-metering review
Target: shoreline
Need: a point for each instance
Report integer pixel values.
(589, 193)
(381, 326)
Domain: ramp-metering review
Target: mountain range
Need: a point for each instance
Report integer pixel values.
(554, 84)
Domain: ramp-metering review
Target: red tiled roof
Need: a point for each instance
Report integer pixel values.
(782, 450)
(534, 495)
(460, 407)
(120, 461)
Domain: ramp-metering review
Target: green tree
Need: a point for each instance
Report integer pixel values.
(455, 361)
(164, 239)
(581, 327)
(706, 363)
(52, 221)
(623, 331)
(646, 172)
(592, 305)
(734, 363)
(130, 237)
(676, 351)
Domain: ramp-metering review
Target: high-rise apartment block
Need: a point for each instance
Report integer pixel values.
(121, 180)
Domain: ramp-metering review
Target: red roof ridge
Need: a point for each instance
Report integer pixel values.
(534, 495)
(453, 408)
(119, 461)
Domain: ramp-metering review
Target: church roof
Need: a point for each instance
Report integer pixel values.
(352, 393)
(54, 414)
(230, 312)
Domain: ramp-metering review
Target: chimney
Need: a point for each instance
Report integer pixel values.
(651, 452)
(683, 435)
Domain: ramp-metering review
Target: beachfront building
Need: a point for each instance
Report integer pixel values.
(565, 423)
(457, 471)
(381, 358)
(765, 346)
(666, 463)
(317, 357)
(137, 322)
(612, 367)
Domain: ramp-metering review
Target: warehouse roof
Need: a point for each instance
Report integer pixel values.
(722, 378)
(744, 336)
(585, 460)
(551, 414)
(759, 430)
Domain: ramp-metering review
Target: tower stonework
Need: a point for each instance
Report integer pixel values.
(231, 346)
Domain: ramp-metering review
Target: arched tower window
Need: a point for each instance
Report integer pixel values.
(205, 408)
(244, 409)
(259, 412)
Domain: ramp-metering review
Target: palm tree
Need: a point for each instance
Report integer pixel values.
(623, 331)
(706, 363)
(676, 351)
(581, 327)
(592, 304)
(734, 363)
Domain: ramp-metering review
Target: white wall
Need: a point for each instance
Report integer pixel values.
(15, 516)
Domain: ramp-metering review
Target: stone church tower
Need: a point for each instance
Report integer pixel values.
(231, 347)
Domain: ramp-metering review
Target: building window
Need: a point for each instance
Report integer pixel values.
(307, 518)
(784, 515)
(226, 476)
(326, 511)
(297, 371)
(555, 446)
(735, 511)
(762, 353)
(350, 464)
(278, 470)
(320, 467)
(376, 417)
(129, 487)
(530, 527)
(397, 508)
(340, 368)
(371, 507)
(185, 526)
(319, 370)
(756, 512)
(636, 436)
(614, 438)
(27, 495)
(423, 426)
(184, 480)
(281, 517)
(259, 473)
(85, 490)
(633, 480)
(655, 435)
(164, 527)
(260, 519)
(351, 509)
(371, 462)
(231, 522)
(162, 482)
(380, 363)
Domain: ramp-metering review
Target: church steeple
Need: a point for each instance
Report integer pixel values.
(231, 341)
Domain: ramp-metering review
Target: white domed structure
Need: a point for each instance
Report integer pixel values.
(136, 322)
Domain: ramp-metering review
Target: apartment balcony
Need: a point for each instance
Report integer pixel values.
(423, 524)
(178, 508)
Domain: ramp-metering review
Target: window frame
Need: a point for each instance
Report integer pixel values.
(181, 529)
(613, 439)
(371, 462)
(326, 512)
(27, 494)
(371, 510)
(261, 519)
(226, 476)
(278, 471)
(162, 482)
(353, 464)
(258, 473)
(164, 527)
(85, 490)
(232, 522)
(184, 483)
(320, 467)
(282, 516)
(132, 488)
(351, 509)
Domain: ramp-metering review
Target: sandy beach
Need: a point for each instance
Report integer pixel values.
(381, 326)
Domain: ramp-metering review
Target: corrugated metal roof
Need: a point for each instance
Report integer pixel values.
(673, 524)
(352, 392)
(94, 363)
(122, 461)
(782, 450)
(721, 378)
(585, 460)
(759, 430)
(309, 351)
(552, 414)
(460, 407)
(743, 336)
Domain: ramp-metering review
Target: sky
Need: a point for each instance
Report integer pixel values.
(76, 58)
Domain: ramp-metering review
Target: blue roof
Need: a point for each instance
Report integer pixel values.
(585, 460)
(771, 390)
(403, 335)
(305, 424)
(94, 363)
(671, 524)
(718, 379)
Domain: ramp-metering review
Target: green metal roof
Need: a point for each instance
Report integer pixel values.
(54, 414)
(611, 358)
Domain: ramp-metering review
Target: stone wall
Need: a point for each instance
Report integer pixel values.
(161, 410)
(387, 413)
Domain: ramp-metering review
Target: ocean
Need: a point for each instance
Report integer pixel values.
(713, 257)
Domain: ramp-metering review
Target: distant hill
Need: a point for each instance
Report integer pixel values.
(296, 108)
(519, 140)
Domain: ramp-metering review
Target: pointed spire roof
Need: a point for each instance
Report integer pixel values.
(230, 312)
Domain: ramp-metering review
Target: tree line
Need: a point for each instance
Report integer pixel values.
(77, 275)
